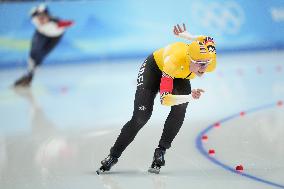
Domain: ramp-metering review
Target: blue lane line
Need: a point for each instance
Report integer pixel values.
(202, 150)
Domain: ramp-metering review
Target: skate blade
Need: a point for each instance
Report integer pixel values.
(100, 171)
(21, 85)
(154, 170)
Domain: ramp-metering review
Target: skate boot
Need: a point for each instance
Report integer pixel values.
(158, 161)
(107, 163)
(24, 81)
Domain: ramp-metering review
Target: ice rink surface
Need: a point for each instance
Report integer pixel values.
(55, 134)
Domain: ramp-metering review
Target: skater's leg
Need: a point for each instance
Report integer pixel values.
(36, 56)
(143, 106)
(37, 51)
(172, 125)
(176, 116)
(40, 48)
(51, 44)
(148, 81)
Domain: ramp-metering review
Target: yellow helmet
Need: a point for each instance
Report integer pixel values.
(202, 52)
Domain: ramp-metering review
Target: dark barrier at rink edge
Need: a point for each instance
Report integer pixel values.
(98, 35)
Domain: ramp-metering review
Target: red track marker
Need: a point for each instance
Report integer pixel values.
(217, 125)
(242, 113)
(204, 137)
(239, 168)
(211, 152)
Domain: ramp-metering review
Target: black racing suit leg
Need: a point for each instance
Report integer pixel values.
(148, 82)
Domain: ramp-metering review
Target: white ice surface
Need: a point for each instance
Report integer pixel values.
(55, 134)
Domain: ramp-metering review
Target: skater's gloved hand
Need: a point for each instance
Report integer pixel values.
(178, 30)
(182, 33)
(196, 93)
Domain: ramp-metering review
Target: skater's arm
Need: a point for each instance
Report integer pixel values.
(50, 29)
(172, 58)
(64, 23)
(172, 100)
(167, 79)
(181, 32)
(166, 96)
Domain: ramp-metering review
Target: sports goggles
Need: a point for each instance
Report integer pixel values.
(201, 62)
